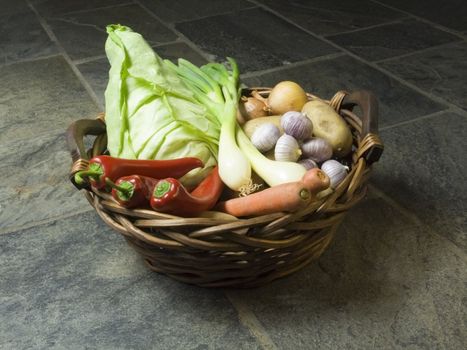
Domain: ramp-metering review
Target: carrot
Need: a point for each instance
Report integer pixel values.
(315, 180)
(287, 197)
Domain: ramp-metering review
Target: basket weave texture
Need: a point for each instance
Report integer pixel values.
(247, 252)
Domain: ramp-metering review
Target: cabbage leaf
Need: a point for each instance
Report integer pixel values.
(150, 112)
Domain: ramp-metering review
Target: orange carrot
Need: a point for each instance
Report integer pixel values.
(315, 180)
(287, 197)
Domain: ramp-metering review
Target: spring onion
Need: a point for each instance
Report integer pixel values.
(217, 89)
(271, 171)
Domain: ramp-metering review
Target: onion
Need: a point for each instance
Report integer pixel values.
(286, 96)
(251, 108)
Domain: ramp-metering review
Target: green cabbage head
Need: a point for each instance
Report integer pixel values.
(150, 113)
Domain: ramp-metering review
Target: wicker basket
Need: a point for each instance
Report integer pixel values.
(237, 252)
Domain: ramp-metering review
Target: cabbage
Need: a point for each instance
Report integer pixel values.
(150, 112)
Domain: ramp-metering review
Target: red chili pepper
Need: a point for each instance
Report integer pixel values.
(133, 191)
(107, 167)
(169, 195)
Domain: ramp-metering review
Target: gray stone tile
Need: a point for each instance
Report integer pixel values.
(255, 38)
(97, 72)
(22, 35)
(450, 13)
(424, 169)
(75, 283)
(83, 34)
(393, 39)
(440, 71)
(40, 96)
(397, 102)
(13, 7)
(180, 50)
(60, 7)
(333, 16)
(35, 183)
(385, 283)
(183, 10)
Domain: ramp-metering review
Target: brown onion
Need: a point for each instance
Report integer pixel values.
(251, 108)
(286, 96)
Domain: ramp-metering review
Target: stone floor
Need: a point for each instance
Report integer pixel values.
(394, 278)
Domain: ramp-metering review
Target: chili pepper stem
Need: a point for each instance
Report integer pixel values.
(161, 188)
(79, 176)
(124, 190)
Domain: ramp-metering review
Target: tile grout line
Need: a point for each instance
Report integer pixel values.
(368, 63)
(401, 19)
(249, 320)
(12, 230)
(253, 6)
(130, 2)
(423, 117)
(88, 59)
(182, 37)
(415, 219)
(292, 65)
(31, 59)
(421, 19)
(67, 58)
(421, 51)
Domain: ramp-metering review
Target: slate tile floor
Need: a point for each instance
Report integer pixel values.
(396, 275)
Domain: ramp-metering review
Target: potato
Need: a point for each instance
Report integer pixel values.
(329, 125)
(251, 125)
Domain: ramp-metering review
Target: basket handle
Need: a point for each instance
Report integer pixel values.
(75, 141)
(371, 146)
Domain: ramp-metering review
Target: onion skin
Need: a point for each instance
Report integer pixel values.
(252, 108)
(286, 96)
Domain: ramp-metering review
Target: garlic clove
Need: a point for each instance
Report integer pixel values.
(287, 149)
(308, 163)
(265, 137)
(317, 149)
(297, 124)
(335, 170)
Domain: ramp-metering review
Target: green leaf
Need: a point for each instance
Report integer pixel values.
(150, 112)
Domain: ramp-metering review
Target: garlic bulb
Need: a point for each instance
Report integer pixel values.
(265, 137)
(317, 149)
(297, 124)
(335, 170)
(287, 149)
(308, 163)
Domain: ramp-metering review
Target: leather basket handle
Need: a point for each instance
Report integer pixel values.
(75, 141)
(368, 104)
